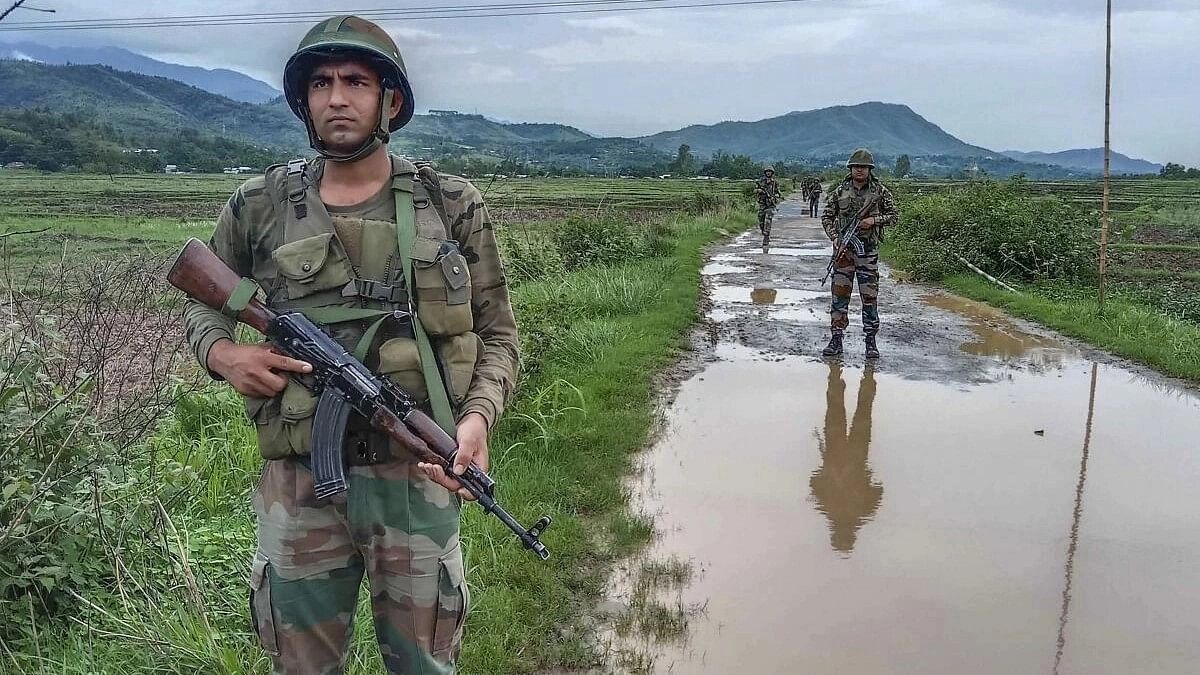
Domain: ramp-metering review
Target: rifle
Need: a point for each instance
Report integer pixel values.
(345, 385)
(848, 236)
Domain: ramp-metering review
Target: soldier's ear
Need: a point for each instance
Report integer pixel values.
(397, 103)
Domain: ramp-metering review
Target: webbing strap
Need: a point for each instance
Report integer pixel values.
(327, 315)
(406, 235)
(241, 296)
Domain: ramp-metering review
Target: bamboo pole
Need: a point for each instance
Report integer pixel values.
(1104, 215)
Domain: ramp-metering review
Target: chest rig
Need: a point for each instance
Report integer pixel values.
(396, 293)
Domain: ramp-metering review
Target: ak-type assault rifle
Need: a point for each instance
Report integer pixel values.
(345, 386)
(848, 237)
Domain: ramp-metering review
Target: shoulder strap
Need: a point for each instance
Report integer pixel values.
(406, 235)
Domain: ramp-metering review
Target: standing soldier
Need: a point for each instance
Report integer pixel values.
(767, 192)
(400, 265)
(814, 198)
(843, 204)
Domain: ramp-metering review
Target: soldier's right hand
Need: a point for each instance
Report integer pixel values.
(253, 370)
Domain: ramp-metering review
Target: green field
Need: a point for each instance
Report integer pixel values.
(124, 495)
(1153, 257)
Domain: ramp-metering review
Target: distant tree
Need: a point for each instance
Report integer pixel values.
(1172, 171)
(685, 162)
(903, 165)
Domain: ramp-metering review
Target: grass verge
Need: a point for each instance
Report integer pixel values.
(594, 339)
(1126, 328)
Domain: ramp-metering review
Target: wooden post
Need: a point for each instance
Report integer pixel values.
(1104, 216)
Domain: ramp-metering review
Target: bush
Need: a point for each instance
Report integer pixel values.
(601, 240)
(999, 227)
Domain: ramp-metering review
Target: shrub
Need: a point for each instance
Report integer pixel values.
(999, 227)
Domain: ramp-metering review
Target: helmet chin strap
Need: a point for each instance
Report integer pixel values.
(377, 138)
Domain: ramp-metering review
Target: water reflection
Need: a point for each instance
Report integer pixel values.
(763, 296)
(843, 487)
(1076, 516)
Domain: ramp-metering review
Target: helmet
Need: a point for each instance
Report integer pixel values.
(768, 168)
(861, 157)
(349, 37)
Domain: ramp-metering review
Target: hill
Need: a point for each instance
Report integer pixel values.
(137, 104)
(227, 83)
(71, 141)
(1089, 159)
(888, 129)
(142, 105)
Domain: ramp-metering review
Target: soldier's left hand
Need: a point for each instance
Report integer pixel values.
(866, 223)
(472, 447)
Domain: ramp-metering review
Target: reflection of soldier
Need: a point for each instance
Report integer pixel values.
(843, 487)
(843, 203)
(766, 190)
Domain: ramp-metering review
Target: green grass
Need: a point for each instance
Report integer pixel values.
(1126, 328)
(1181, 248)
(596, 336)
(1142, 273)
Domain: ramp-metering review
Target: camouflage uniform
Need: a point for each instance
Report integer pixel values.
(814, 198)
(766, 190)
(843, 202)
(394, 524)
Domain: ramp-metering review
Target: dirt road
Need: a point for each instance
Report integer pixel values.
(988, 498)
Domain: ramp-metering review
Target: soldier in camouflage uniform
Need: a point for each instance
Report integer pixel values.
(395, 261)
(766, 190)
(814, 199)
(844, 202)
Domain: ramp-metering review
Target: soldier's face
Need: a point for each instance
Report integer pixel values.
(860, 173)
(343, 99)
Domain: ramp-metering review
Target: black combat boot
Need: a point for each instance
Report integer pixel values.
(834, 347)
(872, 348)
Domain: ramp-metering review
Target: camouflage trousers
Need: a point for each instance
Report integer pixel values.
(812, 206)
(395, 526)
(865, 269)
(766, 215)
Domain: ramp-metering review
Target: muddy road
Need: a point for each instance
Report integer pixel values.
(987, 498)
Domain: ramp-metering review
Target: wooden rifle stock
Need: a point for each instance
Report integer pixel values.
(200, 274)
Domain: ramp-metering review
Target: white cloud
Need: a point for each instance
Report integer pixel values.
(616, 24)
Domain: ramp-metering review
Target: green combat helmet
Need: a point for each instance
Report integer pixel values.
(349, 37)
(768, 168)
(861, 157)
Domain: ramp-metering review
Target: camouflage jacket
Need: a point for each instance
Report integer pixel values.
(767, 192)
(845, 200)
(250, 228)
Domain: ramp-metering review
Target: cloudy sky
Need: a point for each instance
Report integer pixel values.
(1004, 74)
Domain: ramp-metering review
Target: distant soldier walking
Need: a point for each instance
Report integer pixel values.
(814, 198)
(845, 201)
(767, 192)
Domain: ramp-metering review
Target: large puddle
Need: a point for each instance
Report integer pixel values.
(984, 500)
(840, 520)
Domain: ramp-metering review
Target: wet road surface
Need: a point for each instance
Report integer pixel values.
(987, 498)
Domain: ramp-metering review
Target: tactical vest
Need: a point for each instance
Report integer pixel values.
(365, 300)
(849, 205)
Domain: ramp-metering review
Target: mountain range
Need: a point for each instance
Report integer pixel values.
(1090, 159)
(888, 129)
(228, 83)
(138, 104)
